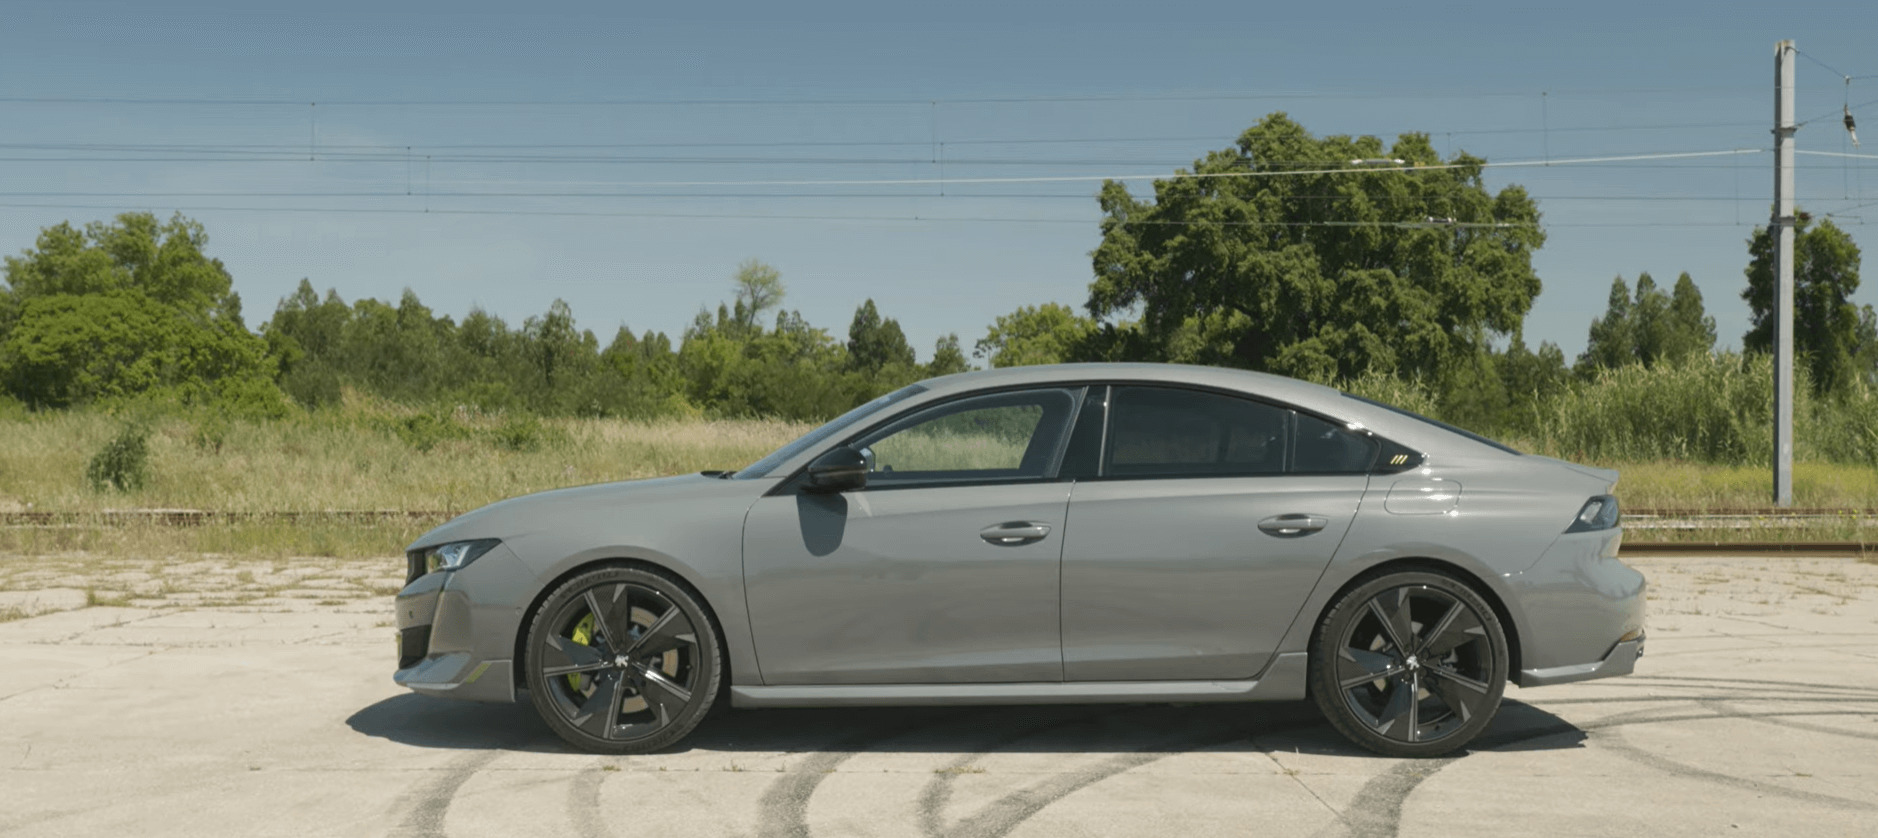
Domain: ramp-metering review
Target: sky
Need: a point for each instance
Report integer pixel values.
(941, 159)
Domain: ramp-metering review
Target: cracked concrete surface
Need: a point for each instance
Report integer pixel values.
(229, 697)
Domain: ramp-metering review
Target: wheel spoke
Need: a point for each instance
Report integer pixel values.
(612, 615)
(1400, 708)
(599, 714)
(1461, 695)
(562, 656)
(1460, 627)
(1360, 666)
(668, 632)
(1391, 608)
(663, 695)
(1442, 673)
(1425, 643)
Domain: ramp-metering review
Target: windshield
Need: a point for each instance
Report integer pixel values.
(762, 468)
(1442, 425)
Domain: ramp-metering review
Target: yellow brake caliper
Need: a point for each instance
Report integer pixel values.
(583, 634)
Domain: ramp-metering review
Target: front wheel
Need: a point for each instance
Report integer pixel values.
(622, 660)
(1409, 664)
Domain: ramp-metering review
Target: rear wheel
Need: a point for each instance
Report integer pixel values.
(1409, 664)
(622, 660)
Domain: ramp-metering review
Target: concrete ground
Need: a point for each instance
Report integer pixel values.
(253, 698)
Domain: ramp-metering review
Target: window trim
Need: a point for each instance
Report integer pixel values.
(1102, 469)
(1077, 392)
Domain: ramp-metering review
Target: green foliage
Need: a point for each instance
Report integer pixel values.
(1051, 333)
(123, 463)
(1653, 327)
(1837, 338)
(947, 357)
(424, 431)
(525, 434)
(758, 287)
(211, 434)
(1708, 409)
(875, 342)
(123, 309)
(1319, 275)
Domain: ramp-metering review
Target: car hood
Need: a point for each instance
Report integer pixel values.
(577, 505)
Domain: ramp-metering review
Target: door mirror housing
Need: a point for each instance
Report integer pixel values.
(839, 470)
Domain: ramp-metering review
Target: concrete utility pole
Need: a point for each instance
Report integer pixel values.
(1782, 225)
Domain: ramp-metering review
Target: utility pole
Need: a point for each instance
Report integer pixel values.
(1782, 224)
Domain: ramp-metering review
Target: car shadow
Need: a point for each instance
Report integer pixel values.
(426, 722)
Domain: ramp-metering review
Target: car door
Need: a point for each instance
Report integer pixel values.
(942, 569)
(1196, 534)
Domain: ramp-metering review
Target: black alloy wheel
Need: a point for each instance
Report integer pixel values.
(622, 660)
(1409, 664)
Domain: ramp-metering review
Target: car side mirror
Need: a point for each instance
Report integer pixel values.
(838, 470)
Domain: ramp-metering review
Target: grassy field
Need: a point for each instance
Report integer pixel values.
(365, 459)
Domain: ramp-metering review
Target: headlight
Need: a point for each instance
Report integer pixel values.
(456, 554)
(1599, 513)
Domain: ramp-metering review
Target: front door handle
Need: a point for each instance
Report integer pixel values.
(1293, 525)
(1013, 533)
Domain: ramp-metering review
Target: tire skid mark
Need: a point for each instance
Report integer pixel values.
(1725, 709)
(1762, 681)
(1612, 739)
(938, 790)
(783, 809)
(1006, 814)
(1376, 811)
(427, 805)
(583, 802)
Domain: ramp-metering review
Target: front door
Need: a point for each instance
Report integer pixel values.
(943, 569)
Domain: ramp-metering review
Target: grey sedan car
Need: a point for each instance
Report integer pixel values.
(1065, 534)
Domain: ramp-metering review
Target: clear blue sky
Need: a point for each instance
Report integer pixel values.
(451, 108)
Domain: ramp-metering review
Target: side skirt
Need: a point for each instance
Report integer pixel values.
(1283, 680)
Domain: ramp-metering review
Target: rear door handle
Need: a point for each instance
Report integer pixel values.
(1013, 533)
(1293, 525)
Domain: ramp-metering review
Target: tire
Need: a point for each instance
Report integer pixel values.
(1421, 634)
(623, 660)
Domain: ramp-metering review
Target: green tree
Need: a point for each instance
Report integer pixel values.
(875, 342)
(124, 308)
(1650, 327)
(947, 357)
(1836, 337)
(1051, 333)
(758, 288)
(1335, 270)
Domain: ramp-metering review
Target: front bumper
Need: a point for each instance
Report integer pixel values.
(457, 629)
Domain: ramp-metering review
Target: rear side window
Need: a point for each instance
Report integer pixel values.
(1324, 448)
(1162, 432)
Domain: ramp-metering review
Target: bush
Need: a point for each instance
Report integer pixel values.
(521, 434)
(123, 463)
(211, 434)
(423, 431)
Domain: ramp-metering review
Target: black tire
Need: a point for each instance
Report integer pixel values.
(623, 660)
(1420, 634)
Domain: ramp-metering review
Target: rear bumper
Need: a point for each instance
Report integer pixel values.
(1622, 660)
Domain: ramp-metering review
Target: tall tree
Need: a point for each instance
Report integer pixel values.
(947, 357)
(1834, 335)
(876, 342)
(758, 288)
(1650, 327)
(1281, 253)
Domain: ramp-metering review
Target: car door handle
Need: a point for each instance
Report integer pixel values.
(1013, 533)
(1294, 525)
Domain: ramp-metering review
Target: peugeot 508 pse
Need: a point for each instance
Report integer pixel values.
(1061, 534)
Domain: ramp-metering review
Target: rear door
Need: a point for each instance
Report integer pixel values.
(1197, 529)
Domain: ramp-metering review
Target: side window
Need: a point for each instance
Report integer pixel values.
(1005, 436)
(1164, 432)
(1324, 448)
